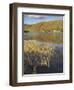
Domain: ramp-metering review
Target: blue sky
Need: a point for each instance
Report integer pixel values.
(32, 19)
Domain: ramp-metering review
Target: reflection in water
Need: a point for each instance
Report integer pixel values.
(53, 37)
(43, 54)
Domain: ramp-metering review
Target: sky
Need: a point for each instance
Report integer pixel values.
(33, 19)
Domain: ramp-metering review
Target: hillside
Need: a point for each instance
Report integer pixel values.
(45, 26)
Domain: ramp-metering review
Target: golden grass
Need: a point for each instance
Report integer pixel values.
(31, 46)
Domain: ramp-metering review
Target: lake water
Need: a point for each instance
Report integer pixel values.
(53, 40)
(45, 36)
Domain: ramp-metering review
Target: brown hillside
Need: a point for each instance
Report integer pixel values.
(45, 26)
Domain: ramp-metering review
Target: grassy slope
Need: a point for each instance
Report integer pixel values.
(45, 26)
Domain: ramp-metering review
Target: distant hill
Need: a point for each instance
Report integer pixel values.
(48, 26)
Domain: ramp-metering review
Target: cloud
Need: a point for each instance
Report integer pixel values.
(36, 16)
